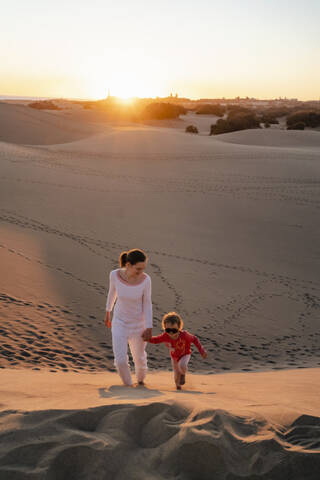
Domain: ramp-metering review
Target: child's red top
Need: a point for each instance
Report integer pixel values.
(180, 346)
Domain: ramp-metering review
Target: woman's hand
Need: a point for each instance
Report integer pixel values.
(107, 320)
(147, 334)
(204, 355)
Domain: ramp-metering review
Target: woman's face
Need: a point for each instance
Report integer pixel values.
(137, 269)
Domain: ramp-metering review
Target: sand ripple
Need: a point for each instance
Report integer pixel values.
(155, 441)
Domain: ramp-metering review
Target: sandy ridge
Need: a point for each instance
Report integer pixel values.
(160, 433)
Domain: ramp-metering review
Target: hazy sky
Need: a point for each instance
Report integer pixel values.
(203, 48)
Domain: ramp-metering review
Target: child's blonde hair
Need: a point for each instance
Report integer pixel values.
(172, 318)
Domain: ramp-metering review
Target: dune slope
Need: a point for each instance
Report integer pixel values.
(21, 124)
(273, 138)
(156, 441)
(232, 232)
(253, 426)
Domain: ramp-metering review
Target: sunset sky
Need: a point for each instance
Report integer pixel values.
(208, 48)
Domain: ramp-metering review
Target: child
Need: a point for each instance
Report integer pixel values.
(179, 341)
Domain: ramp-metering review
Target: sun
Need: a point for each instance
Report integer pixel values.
(126, 92)
(122, 85)
(124, 73)
(126, 100)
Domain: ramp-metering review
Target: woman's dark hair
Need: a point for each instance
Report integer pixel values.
(172, 318)
(132, 256)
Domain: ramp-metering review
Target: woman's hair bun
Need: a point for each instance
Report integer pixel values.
(123, 259)
(132, 256)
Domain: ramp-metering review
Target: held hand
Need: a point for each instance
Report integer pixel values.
(147, 334)
(204, 355)
(107, 320)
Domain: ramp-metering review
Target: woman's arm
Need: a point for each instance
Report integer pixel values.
(111, 298)
(147, 310)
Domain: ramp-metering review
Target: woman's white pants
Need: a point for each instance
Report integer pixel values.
(121, 337)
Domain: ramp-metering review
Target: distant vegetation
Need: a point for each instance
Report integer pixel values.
(44, 105)
(113, 109)
(137, 110)
(236, 120)
(233, 109)
(211, 109)
(297, 126)
(268, 118)
(161, 111)
(275, 112)
(310, 118)
(191, 129)
(238, 114)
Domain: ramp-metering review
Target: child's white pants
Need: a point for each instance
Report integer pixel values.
(121, 337)
(181, 366)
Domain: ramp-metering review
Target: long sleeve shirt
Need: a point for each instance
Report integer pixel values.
(180, 346)
(132, 303)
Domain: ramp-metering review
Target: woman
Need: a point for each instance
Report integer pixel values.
(132, 316)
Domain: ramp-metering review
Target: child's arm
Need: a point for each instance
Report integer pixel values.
(159, 338)
(197, 343)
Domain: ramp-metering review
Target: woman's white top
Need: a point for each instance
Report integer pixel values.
(133, 306)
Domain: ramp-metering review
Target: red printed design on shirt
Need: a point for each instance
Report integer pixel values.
(181, 346)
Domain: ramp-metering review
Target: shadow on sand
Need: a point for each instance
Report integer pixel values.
(129, 392)
(121, 391)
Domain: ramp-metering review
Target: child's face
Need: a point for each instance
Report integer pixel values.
(172, 326)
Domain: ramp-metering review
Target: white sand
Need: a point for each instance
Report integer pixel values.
(231, 225)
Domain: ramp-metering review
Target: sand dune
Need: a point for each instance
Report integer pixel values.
(231, 226)
(232, 233)
(137, 140)
(157, 441)
(234, 427)
(141, 140)
(202, 122)
(273, 138)
(24, 125)
(21, 124)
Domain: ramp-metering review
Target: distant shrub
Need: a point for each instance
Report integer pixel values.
(44, 105)
(234, 122)
(161, 111)
(267, 125)
(235, 109)
(88, 105)
(297, 126)
(211, 109)
(191, 129)
(309, 118)
(268, 118)
(277, 112)
(273, 112)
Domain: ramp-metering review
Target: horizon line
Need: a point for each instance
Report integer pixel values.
(91, 99)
